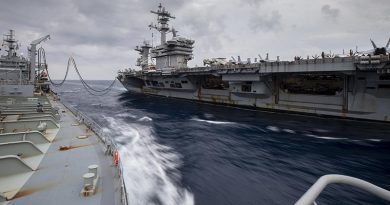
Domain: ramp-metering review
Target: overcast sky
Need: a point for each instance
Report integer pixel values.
(101, 34)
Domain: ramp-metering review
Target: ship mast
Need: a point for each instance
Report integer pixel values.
(163, 17)
(11, 43)
(173, 53)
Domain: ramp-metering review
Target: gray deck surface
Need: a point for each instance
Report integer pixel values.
(58, 179)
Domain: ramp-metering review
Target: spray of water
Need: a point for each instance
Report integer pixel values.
(150, 169)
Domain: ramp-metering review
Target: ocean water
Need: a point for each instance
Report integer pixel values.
(183, 152)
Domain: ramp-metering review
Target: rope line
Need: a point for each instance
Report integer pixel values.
(88, 88)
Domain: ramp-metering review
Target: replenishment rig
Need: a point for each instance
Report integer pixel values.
(50, 152)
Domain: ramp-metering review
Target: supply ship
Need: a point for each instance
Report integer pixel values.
(50, 152)
(354, 85)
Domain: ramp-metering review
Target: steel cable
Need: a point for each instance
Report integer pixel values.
(85, 83)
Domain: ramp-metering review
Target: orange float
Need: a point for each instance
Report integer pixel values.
(116, 158)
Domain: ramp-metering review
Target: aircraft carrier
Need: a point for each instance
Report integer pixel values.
(353, 85)
(50, 152)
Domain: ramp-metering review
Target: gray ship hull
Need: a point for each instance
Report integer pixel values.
(16, 90)
(362, 111)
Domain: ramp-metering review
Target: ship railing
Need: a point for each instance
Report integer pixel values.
(15, 82)
(110, 145)
(315, 190)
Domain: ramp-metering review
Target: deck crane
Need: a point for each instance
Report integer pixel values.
(33, 54)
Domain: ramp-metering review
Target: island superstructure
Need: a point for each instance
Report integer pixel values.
(353, 85)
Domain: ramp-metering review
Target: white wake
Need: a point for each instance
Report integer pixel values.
(150, 169)
(213, 122)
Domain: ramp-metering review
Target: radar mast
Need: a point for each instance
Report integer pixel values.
(11, 43)
(163, 17)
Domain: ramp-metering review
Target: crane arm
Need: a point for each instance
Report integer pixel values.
(39, 40)
(33, 55)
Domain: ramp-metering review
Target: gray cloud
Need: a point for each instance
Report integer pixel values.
(206, 23)
(101, 34)
(330, 13)
(266, 22)
(254, 2)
